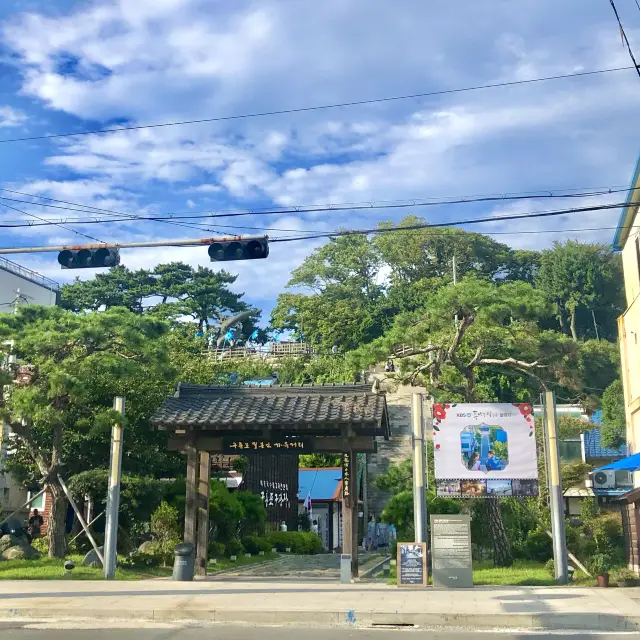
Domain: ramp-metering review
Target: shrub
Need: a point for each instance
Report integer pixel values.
(41, 545)
(165, 531)
(234, 547)
(624, 575)
(550, 566)
(537, 546)
(299, 542)
(253, 514)
(139, 560)
(255, 544)
(216, 549)
(600, 563)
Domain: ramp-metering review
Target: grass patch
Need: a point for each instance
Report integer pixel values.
(52, 569)
(522, 574)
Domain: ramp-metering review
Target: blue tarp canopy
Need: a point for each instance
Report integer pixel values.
(631, 463)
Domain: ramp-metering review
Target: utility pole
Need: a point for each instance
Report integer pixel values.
(419, 492)
(555, 489)
(113, 496)
(455, 270)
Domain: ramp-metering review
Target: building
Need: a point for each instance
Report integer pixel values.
(323, 488)
(20, 286)
(627, 240)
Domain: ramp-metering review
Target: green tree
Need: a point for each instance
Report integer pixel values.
(613, 432)
(397, 481)
(343, 308)
(584, 283)
(467, 332)
(71, 355)
(169, 290)
(427, 254)
(319, 460)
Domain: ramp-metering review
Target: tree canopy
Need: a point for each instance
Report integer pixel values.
(170, 290)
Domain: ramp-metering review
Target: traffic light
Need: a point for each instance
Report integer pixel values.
(239, 250)
(89, 258)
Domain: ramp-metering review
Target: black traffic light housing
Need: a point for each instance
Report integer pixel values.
(89, 258)
(254, 249)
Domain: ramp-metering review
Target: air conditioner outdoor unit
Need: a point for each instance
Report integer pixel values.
(604, 480)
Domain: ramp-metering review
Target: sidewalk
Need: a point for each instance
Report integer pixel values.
(321, 603)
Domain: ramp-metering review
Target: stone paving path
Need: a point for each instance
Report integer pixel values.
(326, 566)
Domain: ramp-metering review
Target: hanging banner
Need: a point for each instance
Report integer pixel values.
(485, 450)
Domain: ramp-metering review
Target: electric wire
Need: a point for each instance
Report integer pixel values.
(623, 34)
(337, 105)
(377, 230)
(321, 209)
(56, 224)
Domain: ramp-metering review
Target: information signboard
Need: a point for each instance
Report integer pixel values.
(451, 551)
(484, 450)
(412, 564)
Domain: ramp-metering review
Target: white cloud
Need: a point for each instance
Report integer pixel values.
(10, 117)
(160, 60)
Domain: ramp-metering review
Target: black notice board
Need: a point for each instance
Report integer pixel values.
(412, 564)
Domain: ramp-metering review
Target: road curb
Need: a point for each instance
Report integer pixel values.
(353, 617)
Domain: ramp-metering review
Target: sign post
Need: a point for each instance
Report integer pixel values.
(412, 564)
(451, 551)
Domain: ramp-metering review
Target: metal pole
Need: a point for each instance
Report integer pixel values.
(419, 492)
(128, 245)
(74, 506)
(455, 270)
(88, 525)
(113, 495)
(555, 490)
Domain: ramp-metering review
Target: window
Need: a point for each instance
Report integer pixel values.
(38, 503)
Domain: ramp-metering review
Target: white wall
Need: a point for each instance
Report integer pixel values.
(35, 288)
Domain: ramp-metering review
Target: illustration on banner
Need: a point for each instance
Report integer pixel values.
(484, 450)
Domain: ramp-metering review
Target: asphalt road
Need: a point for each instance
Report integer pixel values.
(77, 631)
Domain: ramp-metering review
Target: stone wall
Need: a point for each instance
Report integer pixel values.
(399, 447)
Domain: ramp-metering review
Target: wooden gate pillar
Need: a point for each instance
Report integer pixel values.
(190, 518)
(350, 510)
(204, 486)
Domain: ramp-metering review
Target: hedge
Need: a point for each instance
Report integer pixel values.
(300, 542)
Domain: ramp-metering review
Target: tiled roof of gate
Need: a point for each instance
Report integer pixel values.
(286, 407)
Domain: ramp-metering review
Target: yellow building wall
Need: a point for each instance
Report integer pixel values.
(631, 267)
(629, 335)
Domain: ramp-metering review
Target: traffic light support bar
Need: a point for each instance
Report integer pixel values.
(130, 245)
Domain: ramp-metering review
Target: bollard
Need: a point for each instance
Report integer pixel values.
(345, 568)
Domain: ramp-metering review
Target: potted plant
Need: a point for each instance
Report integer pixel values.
(599, 566)
(625, 578)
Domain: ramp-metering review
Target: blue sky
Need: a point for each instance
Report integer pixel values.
(72, 65)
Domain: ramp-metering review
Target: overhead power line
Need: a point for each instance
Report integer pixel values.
(336, 105)
(329, 234)
(84, 235)
(623, 35)
(317, 209)
(413, 227)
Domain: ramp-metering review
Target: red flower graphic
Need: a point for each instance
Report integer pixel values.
(525, 409)
(439, 412)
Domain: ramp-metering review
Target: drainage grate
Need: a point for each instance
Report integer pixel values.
(393, 625)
